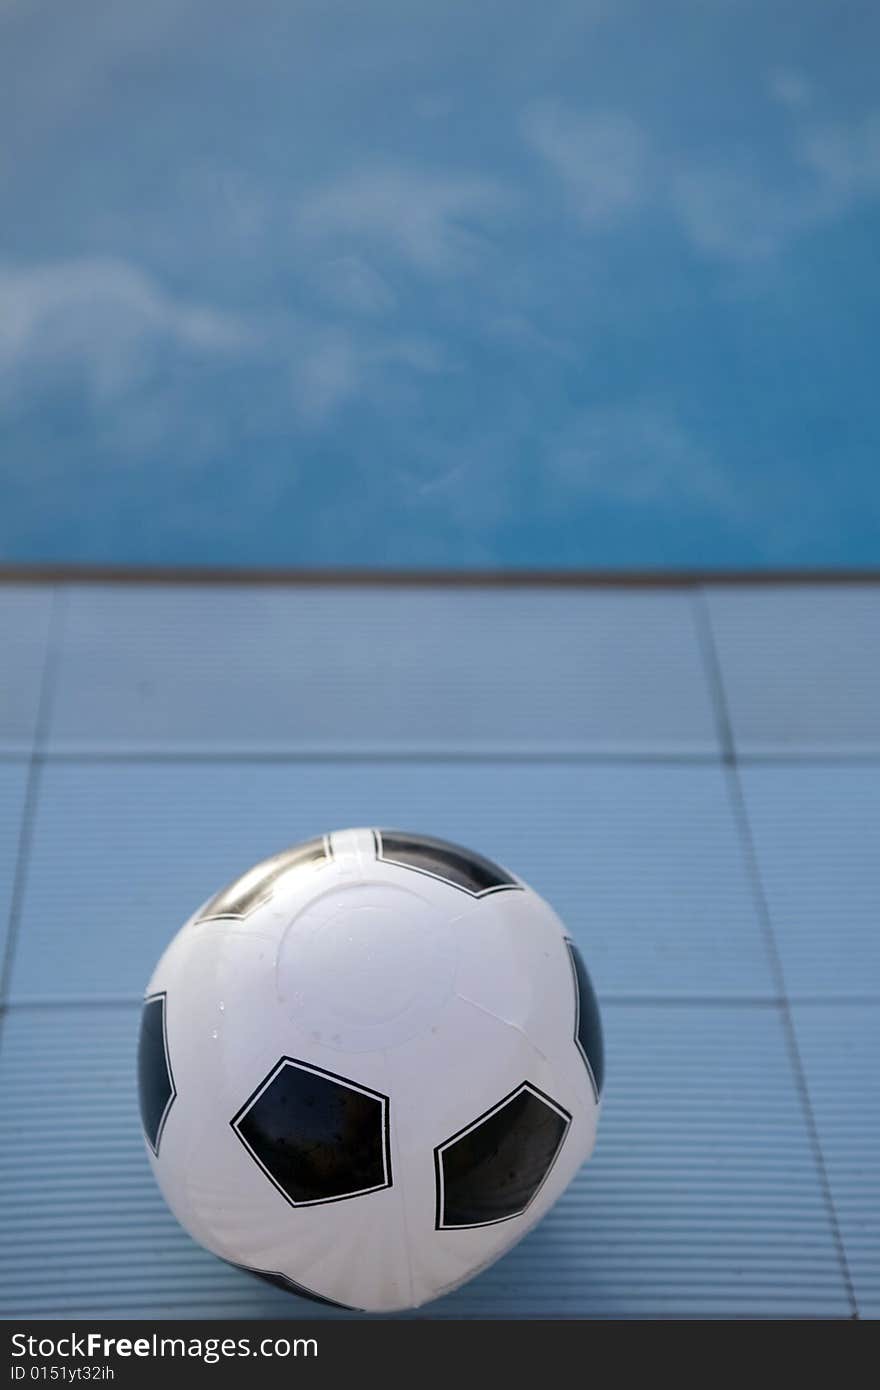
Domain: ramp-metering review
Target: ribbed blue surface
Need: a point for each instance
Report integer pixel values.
(13, 778)
(24, 627)
(817, 838)
(840, 1047)
(469, 670)
(569, 734)
(801, 667)
(702, 1198)
(641, 861)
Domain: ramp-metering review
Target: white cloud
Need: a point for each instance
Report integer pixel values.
(352, 283)
(333, 366)
(743, 213)
(101, 316)
(790, 88)
(739, 207)
(845, 157)
(109, 326)
(327, 372)
(602, 158)
(431, 221)
(419, 354)
(737, 214)
(639, 453)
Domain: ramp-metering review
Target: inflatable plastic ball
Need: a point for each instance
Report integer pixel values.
(368, 1067)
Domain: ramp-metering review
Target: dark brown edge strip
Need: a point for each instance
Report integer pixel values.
(489, 579)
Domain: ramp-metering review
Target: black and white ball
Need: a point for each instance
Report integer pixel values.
(368, 1067)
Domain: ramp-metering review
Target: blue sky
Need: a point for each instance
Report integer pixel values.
(571, 284)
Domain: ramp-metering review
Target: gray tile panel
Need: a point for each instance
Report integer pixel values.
(816, 831)
(347, 669)
(801, 667)
(25, 611)
(13, 784)
(641, 861)
(840, 1047)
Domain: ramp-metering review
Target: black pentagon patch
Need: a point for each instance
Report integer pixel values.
(281, 1281)
(587, 1022)
(251, 889)
(459, 867)
(317, 1136)
(493, 1168)
(156, 1089)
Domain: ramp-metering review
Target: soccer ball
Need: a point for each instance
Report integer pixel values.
(368, 1067)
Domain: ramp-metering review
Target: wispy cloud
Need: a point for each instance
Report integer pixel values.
(333, 366)
(738, 206)
(351, 283)
(327, 372)
(845, 156)
(639, 453)
(101, 316)
(602, 158)
(737, 214)
(113, 329)
(742, 213)
(431, 221)
(790, 88)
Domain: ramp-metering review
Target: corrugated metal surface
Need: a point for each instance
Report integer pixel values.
(382, 669)
(840, 1046)
(13, 779)
(817, 838)
(641, 861)
(24, 626)
(801, 667)
(735, 1171)
(702, 1197)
